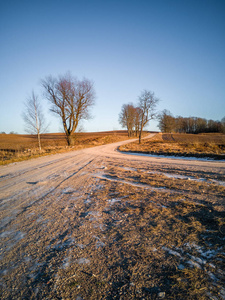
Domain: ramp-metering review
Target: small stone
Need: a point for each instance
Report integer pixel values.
(161, 295)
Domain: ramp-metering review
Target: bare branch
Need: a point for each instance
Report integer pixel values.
(147, 105)
(33, 117)
(71, 99)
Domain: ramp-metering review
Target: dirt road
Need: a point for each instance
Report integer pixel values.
(76, 225)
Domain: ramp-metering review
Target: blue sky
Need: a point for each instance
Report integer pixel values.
(174, 48)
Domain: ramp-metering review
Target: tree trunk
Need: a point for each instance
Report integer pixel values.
(70, 140)
(140, 132)
(39, 142)
(140, 136)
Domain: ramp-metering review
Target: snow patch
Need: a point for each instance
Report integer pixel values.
(113, 201)
(171, 251)
(171, 156)
(82, 261)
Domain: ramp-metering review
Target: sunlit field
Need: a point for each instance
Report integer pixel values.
(16, 147)
(178, 144)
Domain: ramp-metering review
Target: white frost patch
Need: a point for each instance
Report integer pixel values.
(81, 246)
(6, 233)
(181, 267)
(154, 249)
(60, 245)
(94, 213)
(171, 156)
(171, 251)
(100, 226)
(87, 201)
(27, 259)
(96, 237)
(197, 259)
(19, 236)
(82, 261)
(3, 272)
(222, 293)
(66, 262)
(206, 254)
(212, 276)
(99, 244)
(129, 169)
(39, 219)
(140, 185)
(7, 220)
(68, 191)
(178, 176)
(218, 182)
(163, 206)
(113, 201)
(194, 264)
(209, 253)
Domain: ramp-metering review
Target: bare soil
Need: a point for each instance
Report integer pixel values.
(18, 147)
(98, 224)
(190, 145)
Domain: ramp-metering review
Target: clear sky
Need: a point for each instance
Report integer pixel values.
(174, 48)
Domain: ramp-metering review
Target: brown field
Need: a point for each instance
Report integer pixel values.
(17, 147)
(198, 145)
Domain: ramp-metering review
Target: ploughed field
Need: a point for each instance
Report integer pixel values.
(17, 147)
(178, 144)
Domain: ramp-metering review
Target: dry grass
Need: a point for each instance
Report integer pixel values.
(156, 244)
(15, 147)
(207, 145)
(135, 232)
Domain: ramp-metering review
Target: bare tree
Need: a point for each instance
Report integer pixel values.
(147, 105)
(34, 118)
(167, 123)
(127, 118)
(137, 120)
(71, 99)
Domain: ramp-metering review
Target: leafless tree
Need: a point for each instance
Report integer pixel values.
(147, 104)
(34, 118)
(127, 118)
(138, 113)
(167, 123)
(71, 99)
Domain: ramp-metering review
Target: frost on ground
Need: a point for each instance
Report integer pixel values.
(112, 228)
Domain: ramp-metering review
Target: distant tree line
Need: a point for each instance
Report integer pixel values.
(169, 123)
(11, 132)
(136, 117)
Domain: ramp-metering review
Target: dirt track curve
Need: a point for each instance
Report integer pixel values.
(50, 216)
